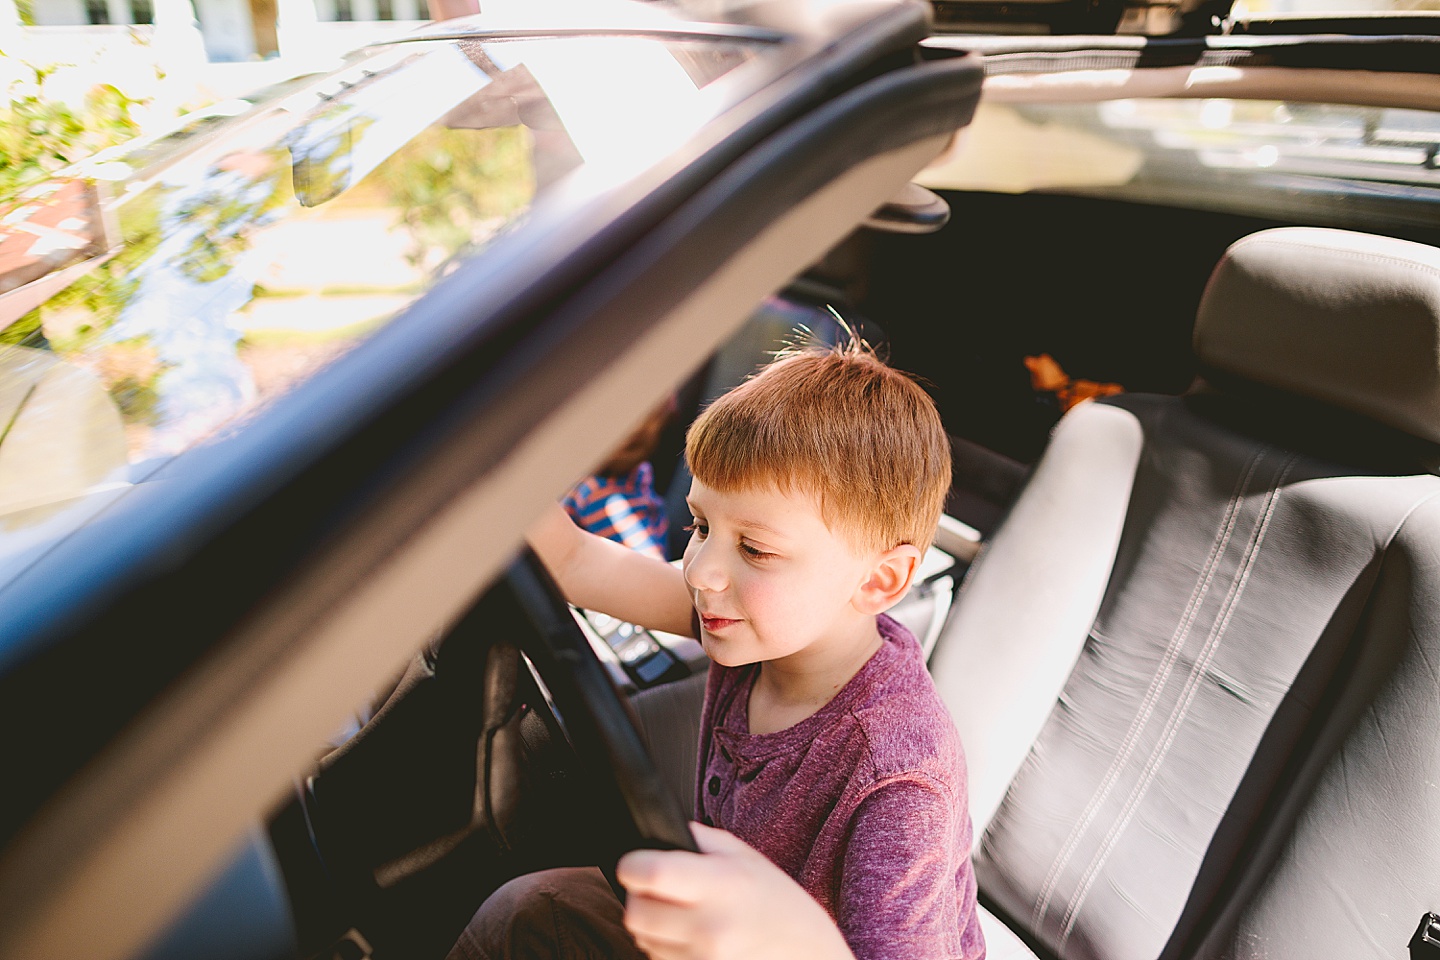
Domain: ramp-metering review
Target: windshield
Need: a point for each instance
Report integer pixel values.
(158, 298)
(1313, 163)
(1332, 8)
(1190, 18)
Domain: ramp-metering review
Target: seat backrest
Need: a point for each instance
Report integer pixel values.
(1202, 645)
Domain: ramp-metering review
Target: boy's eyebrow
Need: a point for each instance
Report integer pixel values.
(747, 524)
(757, 525)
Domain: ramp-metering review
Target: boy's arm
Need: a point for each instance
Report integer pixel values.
(602, 575)
(727, 903)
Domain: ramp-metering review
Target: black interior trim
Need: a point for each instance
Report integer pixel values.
(1055, 16)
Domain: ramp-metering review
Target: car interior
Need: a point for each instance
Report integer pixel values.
(1188, 630)
(1192, 663)
(1215, 733)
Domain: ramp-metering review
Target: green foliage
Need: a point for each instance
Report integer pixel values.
(138, 400)
(228, 215)
(451, 183)
(39, 136)
(25, 332)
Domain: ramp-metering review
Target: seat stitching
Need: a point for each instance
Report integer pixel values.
(1182, 709)
(1386, 259)
(1187, 696)
(1157, 683)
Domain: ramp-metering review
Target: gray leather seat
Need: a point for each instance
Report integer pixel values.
(1197, 670)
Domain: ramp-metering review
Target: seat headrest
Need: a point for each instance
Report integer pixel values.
(1346, 318)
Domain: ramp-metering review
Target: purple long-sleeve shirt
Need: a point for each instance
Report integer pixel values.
(863, 803)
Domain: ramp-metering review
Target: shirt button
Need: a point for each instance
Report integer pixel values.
(713, 786)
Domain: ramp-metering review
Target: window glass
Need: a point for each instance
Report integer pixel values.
(176, 289)
(1322, 164)
(1329, 7)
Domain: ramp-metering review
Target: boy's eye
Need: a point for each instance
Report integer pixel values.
(754, 552)
(701, 530)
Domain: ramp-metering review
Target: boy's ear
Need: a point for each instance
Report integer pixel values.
(889, 579)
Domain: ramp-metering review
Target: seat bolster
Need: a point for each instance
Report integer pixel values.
(1028, 603)
(1349, 860)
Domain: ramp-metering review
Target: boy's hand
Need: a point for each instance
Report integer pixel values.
(727, 902)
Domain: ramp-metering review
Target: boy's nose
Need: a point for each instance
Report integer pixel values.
(702, 572)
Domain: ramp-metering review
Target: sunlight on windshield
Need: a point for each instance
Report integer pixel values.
(166, 298)
(1326, 164)
(606, 135)
(1242, 8)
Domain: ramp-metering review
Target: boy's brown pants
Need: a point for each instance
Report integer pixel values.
(565, 914)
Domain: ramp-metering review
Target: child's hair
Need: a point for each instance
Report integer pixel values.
(862, 437)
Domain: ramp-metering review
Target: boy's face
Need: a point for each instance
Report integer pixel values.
(768, 577)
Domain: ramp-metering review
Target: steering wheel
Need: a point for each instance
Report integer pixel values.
(593, 715)
(475, 760)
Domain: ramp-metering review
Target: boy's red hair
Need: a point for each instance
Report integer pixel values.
(862, 437)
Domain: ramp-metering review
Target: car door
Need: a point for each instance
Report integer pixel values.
(169, 666)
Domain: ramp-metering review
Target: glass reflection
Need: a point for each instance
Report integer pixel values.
(229, 261)
(1330, 164)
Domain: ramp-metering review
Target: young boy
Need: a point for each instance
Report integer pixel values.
(824, 745)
